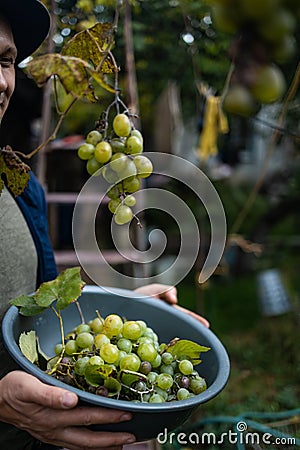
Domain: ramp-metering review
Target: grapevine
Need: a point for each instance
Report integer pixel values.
(114, 149)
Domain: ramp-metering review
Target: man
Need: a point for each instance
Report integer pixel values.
(33, 414)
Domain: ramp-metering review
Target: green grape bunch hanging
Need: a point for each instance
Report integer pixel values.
(119, 156)
(264, 38)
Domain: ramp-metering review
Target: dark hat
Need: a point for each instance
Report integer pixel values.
(30, 23)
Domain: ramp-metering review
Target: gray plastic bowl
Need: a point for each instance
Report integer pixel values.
(148, 419)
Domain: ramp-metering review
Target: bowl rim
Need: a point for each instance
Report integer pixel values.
(212, 391)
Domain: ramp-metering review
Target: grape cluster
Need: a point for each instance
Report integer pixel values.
(264, 38)
(133, 364)
(123, 165)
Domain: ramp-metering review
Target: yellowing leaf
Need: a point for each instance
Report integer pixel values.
(92, 46)
(14, 171)
(71, 72)
(28, 346)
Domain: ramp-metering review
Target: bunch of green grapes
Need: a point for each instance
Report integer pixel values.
(264, 38)
(124, 359)
(123, 165)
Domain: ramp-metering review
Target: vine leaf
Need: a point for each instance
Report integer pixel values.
(97, 373)
(185, 348)
(28, 346)
(84, 56)
(65, 289)
(70, 287)
(92, 45)
(13, 172)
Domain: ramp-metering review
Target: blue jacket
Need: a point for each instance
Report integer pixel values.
(33, 205)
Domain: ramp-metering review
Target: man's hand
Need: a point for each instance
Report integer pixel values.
(51, 415)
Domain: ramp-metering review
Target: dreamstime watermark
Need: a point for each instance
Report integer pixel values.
(166, 167)
(241, 436)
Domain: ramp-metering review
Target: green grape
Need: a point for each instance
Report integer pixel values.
(123, 215)
(149, 333)
(182, 394)
(121, 125)
(131, 185)
(186, 367)
(82, 327)
(101, 339)
(239, 100)
(167, 358)
(146, 352)
(163, 393)
(113, 204)
(84, 340)
(278, 25)
(112, 325)
(96, 325)
(109, 175)
(92, 166)
(117, 145)
(131, 330)
(138, 134)
(58, 349)
(269, 85)
(110, 353)
(118, 162)
(86, 151)
(114, 192)
(164, 368)
(94, 137)
(198, 385)
(164, 381)
(140, 386)
(143, 166)
(284, 50)
(81, 364)
(152, 377)
(144, 340)
(130, 362)
(95, 360)
(141, 323)
(103, 152)
(70, 347)
(156, 398)
(130, 200)
(129, 169)
(133, 145)
(125, 345)
(156, 362)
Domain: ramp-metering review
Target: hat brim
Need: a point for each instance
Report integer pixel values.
(30, 23)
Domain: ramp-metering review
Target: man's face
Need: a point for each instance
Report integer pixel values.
(8, 53)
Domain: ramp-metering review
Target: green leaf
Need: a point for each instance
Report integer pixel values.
(27, 305)
(186, 348)
(28, 346)
(113, 386)
(14, 171)
(70, 286)
(47, 293)
(96, 374)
